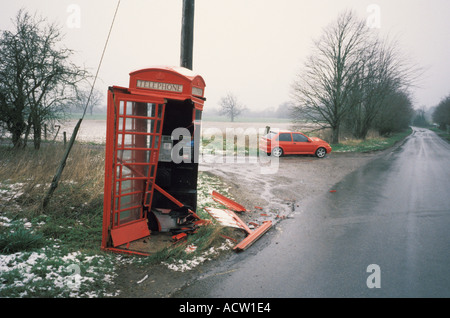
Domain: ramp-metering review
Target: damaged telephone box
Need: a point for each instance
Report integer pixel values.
(151, 158)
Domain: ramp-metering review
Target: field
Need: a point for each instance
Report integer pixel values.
(94, 130)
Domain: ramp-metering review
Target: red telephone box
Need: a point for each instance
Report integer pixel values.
(144, 183)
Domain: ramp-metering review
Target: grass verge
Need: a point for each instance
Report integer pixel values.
(372, 144)
(56, 252)
(441, 133)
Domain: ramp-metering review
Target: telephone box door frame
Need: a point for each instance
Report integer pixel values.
(134, 128)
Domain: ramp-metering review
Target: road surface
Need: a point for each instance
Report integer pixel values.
(384, 231)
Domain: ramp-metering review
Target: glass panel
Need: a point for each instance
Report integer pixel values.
(150, 141)
(129, 108)
(133, 156)
(150, 125)
(151, 110)
(137, 125)
(124, 140)
(160, 108)
(126, 202)
(124, 155)
(198, 114)
(130, 215)
(127, 173)
(300, 138)
(152, 171)
(127, 216)
(285, 137)
(139, 109)
(121, 107)
(120, 125)
(124, 198)
(127, 186)
(129, 125)
(147, 198)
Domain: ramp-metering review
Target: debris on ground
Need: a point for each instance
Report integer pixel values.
(228, 217)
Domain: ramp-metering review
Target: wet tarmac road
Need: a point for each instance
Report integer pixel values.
(392, 215)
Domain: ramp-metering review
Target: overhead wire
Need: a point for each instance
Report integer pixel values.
(60, 169)
(101, 59)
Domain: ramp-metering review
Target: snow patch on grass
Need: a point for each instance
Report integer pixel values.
(53, 273)
(188, 264)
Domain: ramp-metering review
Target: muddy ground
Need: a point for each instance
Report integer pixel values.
(292, 182)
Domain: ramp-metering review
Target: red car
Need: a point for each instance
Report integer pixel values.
(287, 143)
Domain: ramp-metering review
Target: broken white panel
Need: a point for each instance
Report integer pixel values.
(224, 217)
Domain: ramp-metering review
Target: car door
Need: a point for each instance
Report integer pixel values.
(301, 144)
(285, 142)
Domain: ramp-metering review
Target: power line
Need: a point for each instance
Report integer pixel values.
(60, 169)
(101, 58)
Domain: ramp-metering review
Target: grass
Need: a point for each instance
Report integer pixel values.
(42, 253)
(370, 144)
(37, 248)
(243, 147)
(441, 133)
(18, 238)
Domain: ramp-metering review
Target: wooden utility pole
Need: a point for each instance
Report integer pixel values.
(187, 34)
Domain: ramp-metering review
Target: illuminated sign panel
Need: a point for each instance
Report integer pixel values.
(170, 87)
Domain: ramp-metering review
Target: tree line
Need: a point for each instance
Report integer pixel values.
(441, 114)
(354, 81)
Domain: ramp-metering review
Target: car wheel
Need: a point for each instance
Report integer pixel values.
(321, 152)
(277, 152)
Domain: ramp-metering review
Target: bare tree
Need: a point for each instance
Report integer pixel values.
(230, 106)
(384, 72)
(347, 78)
(37, 80)
(83, 97)
(324, 92)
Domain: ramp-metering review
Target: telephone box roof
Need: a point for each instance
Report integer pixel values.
(173, 80)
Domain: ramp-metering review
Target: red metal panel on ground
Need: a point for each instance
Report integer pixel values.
(251, 238)
(227, 202)
(130, 232)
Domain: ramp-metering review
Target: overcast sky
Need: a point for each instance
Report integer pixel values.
(252, 48)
